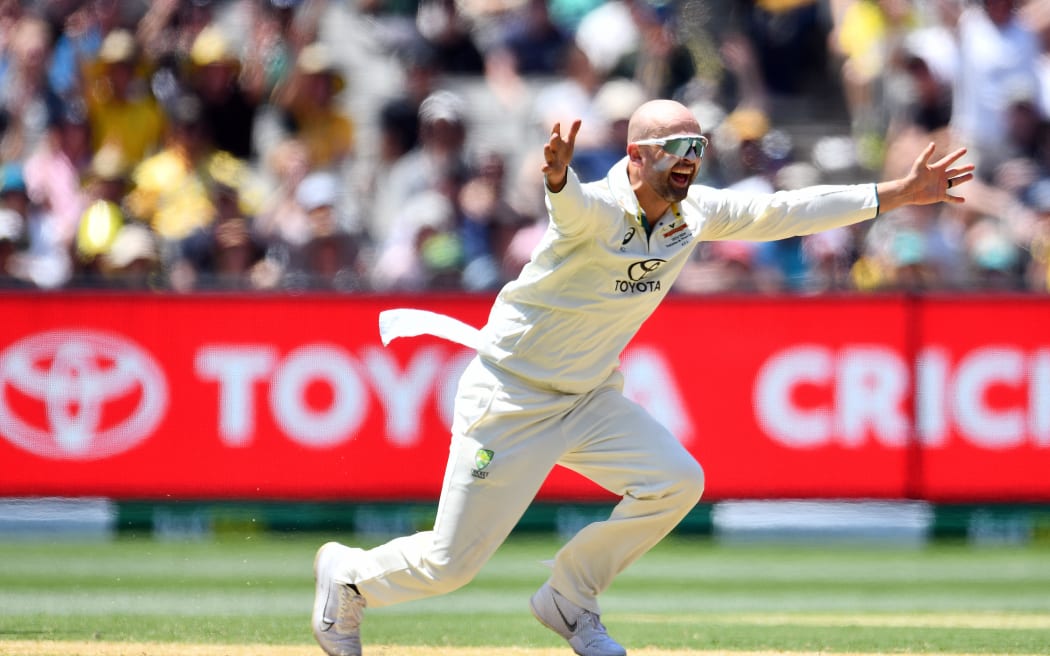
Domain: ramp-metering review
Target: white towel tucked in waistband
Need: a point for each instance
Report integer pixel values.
(407, 322)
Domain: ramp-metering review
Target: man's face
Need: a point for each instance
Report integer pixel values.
(668, 175)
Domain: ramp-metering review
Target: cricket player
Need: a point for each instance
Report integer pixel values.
(545, 387)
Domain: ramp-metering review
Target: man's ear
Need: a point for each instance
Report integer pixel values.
(634, 153)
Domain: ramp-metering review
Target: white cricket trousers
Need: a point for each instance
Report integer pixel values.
(601, 434)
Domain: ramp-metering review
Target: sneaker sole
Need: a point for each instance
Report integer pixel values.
(320, 597)
(325, 558)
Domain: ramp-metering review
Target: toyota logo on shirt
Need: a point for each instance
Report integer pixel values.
(79, 395)
(641, 269)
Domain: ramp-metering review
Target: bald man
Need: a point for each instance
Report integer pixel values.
(545, 387)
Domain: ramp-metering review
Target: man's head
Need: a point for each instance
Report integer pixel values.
(442, 123)
(118, 56)
(214, 66)
(664, 149)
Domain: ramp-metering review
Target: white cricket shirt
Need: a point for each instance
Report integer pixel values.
(595, 277)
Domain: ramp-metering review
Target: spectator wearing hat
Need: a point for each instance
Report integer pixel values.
(740, 139)
(329, 258)
(108, 177)
(438, 163)
(312, 111)
(122, 110)
(132, 260)
(228, 107)
(417, 224)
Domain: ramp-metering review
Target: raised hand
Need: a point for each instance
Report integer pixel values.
(934, 180)
(557, 154)
(927, 182)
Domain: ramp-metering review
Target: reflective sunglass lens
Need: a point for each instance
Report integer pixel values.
(682, 147)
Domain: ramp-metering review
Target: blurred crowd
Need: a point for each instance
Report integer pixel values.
(396, 145)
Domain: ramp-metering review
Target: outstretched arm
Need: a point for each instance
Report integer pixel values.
(557, 154)
(927, 182)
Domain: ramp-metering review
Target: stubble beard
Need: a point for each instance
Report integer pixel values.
(665, 190)
(660, 182)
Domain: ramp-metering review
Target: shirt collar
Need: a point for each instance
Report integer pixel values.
(620, 186)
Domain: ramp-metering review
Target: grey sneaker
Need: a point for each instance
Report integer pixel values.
(338, 607)
(582, 628)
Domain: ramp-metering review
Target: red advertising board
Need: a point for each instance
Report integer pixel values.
(983, 381)
(294, 397)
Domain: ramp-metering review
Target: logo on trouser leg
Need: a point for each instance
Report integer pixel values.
(481, 460)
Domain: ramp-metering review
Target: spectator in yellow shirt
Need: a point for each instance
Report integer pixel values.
(310, 100)
(123, 113)
(171, 188)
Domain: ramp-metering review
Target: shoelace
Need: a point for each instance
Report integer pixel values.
(591, 620)
(351, 604)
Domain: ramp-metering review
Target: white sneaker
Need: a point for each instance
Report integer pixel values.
(582, 628)
(338, 608)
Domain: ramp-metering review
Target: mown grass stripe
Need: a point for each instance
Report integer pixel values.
(103, 648)
(912, 620)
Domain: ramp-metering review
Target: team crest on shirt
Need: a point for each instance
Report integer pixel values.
(481, 460)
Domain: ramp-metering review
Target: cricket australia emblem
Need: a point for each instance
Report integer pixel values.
(481, 460)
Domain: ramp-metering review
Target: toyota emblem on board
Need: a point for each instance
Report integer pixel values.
(78, 394)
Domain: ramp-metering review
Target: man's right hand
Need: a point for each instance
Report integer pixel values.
(557, 154)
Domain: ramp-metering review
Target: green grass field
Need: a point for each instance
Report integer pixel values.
(689, 595)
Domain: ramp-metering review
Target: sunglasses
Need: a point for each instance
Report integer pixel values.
(679, 146)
